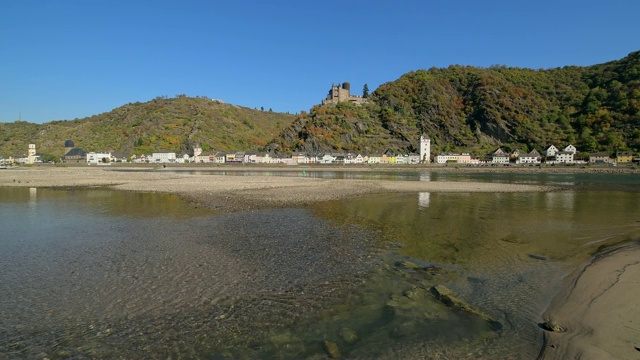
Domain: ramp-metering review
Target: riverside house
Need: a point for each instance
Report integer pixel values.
(100, 158)
(532, 157)
(500, 157)
(624, 157)
(599, 158)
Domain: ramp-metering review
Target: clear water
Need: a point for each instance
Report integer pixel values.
(105, 274)
(617, 181)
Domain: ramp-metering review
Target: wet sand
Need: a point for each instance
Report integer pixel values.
(599, 307)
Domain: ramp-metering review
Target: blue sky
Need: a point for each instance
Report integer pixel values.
(66, 59)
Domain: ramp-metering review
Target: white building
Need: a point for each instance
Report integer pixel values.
(183, 159)
(163, 157)
(530, 158)
(99, 158)
(425, 149)
(414, 158)
(564, 157)
(500, 157)
(570, 148)
(326, 159)
(460, 158)
(550, 151)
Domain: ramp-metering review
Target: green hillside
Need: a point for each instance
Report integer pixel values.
(175, 124)
(596, 108)
(462, 108)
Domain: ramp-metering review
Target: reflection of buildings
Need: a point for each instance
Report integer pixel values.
(561, 200)
(33, 197)
(424, 198)
(425, 177)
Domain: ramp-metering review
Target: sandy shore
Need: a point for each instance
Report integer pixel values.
(600, 308)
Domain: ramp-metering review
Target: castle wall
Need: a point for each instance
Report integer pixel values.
(338, 94)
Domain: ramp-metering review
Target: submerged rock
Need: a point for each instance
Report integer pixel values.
(331, 349)
(349, 336)
(447, 297)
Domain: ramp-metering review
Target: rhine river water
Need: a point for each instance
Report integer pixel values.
(108, 274)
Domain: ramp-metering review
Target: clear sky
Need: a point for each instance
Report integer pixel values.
(66, 59)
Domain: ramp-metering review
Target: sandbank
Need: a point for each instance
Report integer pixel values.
(234, 192)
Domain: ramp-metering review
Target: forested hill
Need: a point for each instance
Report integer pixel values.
(173, 124)
(596, 108)
(462, 108)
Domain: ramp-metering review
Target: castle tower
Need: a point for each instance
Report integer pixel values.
(31, 155)
(197, 151)
(425, 149)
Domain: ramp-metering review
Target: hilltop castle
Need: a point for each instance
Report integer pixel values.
(340, 93)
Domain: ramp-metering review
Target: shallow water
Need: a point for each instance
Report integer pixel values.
(504, 253)
(598, 181)
(103, 274)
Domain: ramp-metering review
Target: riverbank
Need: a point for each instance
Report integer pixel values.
(598, 310)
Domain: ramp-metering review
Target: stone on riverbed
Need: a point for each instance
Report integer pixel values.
(447, 297)
(331, 349)
(349, 336)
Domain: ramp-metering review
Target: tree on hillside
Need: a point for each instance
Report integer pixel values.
(48, 158)
(365, 91)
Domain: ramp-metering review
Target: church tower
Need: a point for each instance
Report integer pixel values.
(68, 146)
(425, 149)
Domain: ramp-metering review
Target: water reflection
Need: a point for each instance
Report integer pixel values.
(106, 274)
(627, 182)
(424, 198)
(505, 252)
(560, 201)
(33, 197)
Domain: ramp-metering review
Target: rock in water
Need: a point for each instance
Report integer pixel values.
(349, 336)
(332, 349)
(551, 326)
(446, 296)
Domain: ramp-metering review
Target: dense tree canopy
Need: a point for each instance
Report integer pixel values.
(596, 108)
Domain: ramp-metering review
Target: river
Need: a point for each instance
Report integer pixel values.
(108, 274)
